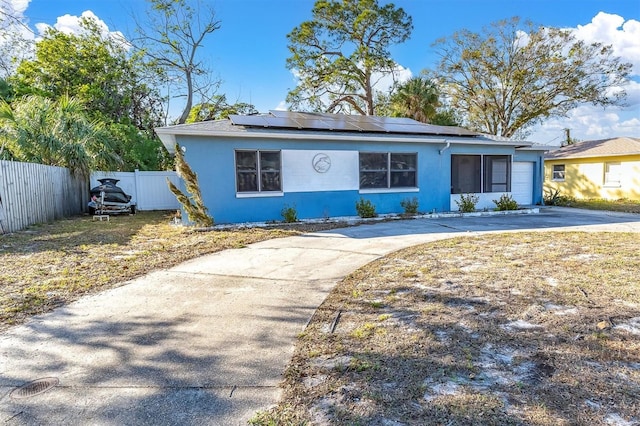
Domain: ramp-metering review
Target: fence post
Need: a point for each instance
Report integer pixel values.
(136, 184)
(1, 215)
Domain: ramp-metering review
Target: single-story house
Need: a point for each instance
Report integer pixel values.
(606, 168)
(251, 167)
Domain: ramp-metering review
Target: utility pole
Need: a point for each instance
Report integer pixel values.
(568, 140)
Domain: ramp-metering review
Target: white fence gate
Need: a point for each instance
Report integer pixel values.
(149, 190)
(34, 193)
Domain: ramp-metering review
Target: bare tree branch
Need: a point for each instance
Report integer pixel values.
(171, 38)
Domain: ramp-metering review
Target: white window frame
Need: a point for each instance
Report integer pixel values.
(489, 179)
(558, 175)
(484, 183)
(389, 172)
(613, 178)
(260, 192)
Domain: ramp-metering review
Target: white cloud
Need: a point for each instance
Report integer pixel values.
(42, 27)
(588, 122)
(14, 7)
(282, 106)
(70, 24)
(633, 95)
(623, 36)
(384, 82)
(16, 39)
(522, 38)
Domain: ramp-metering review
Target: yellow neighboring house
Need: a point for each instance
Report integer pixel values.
(606, 168)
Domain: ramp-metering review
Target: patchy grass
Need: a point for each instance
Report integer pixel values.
(517, 328)
(621, 205)
(48, 265)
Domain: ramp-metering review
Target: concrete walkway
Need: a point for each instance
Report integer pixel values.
(206, 342)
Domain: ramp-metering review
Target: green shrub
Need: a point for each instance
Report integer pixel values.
(289, 214)
(506, 202)
(467, 203)
(552, 197)
(410, 206)
(365, 208)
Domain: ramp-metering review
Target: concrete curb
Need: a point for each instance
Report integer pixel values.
(356, 220)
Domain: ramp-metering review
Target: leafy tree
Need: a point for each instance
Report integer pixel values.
(510, 77)
(57, 133)
(110, 83)
(171, 38)
(94, 68)
(417, 98)
(446, 117)
(138, 149)
(383, 103)
(342, 51)
(6, 91)
(15, 37)
(218, 108)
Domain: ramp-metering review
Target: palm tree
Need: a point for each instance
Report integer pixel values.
(417, 98)
(57, 133)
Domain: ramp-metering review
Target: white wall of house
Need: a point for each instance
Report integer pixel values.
(313, 171)
(485, 200)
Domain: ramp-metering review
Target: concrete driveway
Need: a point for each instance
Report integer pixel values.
(206, 342)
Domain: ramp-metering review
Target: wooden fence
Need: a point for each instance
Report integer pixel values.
(34, 193)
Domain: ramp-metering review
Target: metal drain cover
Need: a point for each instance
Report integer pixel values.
(34, 388)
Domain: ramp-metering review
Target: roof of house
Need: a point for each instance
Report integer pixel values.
(346, 123)
(334, 127)
(613, 147)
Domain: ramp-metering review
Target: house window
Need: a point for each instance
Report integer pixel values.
(388, 170)
(466, 174)
(612, 174)
(497, 173)
(480, 173)
(558, 172)
(258, 171)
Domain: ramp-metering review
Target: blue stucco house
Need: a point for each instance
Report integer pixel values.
(251, 167)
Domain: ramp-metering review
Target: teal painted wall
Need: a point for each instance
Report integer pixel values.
(214, 162)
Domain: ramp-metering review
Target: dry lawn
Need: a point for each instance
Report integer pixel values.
(621, 205)
(519, 328)
(49, 265)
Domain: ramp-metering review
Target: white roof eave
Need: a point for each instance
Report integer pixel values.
(168, 137)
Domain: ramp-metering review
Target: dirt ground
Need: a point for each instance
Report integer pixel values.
(524, 329)
(49, 265)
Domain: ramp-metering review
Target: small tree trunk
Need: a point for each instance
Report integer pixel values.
(189, 104)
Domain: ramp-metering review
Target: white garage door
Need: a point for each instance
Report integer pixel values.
(522, 182)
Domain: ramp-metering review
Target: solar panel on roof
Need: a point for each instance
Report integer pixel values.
(314, 123)
(343, 122)
(366, 123)
(279, 113)
(285, 122)
(396, 120)
(249, 120)
(403, 128)
(300, 115)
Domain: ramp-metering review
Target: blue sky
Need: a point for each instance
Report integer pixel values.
(248, 53)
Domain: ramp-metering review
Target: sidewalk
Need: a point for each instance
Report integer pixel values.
(206, 342)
